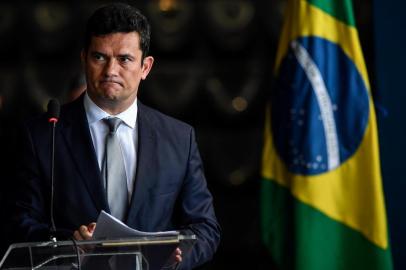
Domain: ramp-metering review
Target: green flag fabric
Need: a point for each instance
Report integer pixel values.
(321, 196)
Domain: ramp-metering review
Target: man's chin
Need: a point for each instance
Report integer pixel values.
(110, 98)
(110, 93)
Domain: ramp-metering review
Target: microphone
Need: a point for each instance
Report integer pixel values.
(53, 111)
(53, 117)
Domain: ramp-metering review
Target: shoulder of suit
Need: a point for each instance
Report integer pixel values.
(161, 120)
(74, 106)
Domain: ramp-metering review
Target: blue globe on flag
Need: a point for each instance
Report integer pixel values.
(322, 107)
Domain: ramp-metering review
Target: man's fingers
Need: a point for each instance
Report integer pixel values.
(84, 231)
(91, 227)
(178, 255)
(77, 236)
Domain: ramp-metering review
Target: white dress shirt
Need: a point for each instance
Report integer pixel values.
(127, 134)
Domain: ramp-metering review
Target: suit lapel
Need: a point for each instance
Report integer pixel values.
(75, 131)
(146, 166)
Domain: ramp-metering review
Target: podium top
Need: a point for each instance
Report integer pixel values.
(42, 255)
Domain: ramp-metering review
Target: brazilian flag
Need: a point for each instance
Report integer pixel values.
(321, 195)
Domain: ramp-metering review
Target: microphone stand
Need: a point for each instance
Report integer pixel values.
(53, 227)
(53, 114)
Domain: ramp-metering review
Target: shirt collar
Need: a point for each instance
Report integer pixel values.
(94, 113)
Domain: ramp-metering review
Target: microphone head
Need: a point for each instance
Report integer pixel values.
(53, 110)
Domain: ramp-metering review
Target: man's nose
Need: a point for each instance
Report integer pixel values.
(111, 68)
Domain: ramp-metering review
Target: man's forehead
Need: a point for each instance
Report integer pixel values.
(130, 40)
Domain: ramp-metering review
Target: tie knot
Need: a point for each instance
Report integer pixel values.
(112, 123)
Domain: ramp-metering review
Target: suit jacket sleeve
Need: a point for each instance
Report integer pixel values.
(197, 211)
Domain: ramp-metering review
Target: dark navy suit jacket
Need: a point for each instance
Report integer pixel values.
(170, 188)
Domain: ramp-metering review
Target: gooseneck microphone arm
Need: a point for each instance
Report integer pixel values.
(53, 116)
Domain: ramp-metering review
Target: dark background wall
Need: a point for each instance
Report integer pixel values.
(213, 69)
(390, 39)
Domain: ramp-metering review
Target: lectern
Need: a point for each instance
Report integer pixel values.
(136, 253)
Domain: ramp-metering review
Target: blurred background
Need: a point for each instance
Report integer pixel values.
(213, 69)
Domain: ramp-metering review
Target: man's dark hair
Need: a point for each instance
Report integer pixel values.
(118, 18)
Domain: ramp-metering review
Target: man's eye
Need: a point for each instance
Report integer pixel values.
(125, 59)
(98, 57)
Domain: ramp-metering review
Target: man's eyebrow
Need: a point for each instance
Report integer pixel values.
(128, 55)
(97, 53)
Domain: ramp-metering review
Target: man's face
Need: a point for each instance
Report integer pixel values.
(114, 69)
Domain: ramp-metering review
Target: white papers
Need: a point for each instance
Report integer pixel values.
(109, 227)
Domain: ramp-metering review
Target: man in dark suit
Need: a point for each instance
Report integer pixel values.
(165, 187)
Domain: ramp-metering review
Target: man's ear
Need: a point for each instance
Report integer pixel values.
(146, 66)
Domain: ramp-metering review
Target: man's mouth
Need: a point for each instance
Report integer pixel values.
(110, 82)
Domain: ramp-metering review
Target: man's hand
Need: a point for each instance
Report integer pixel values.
(84, 232)
(178, 255)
